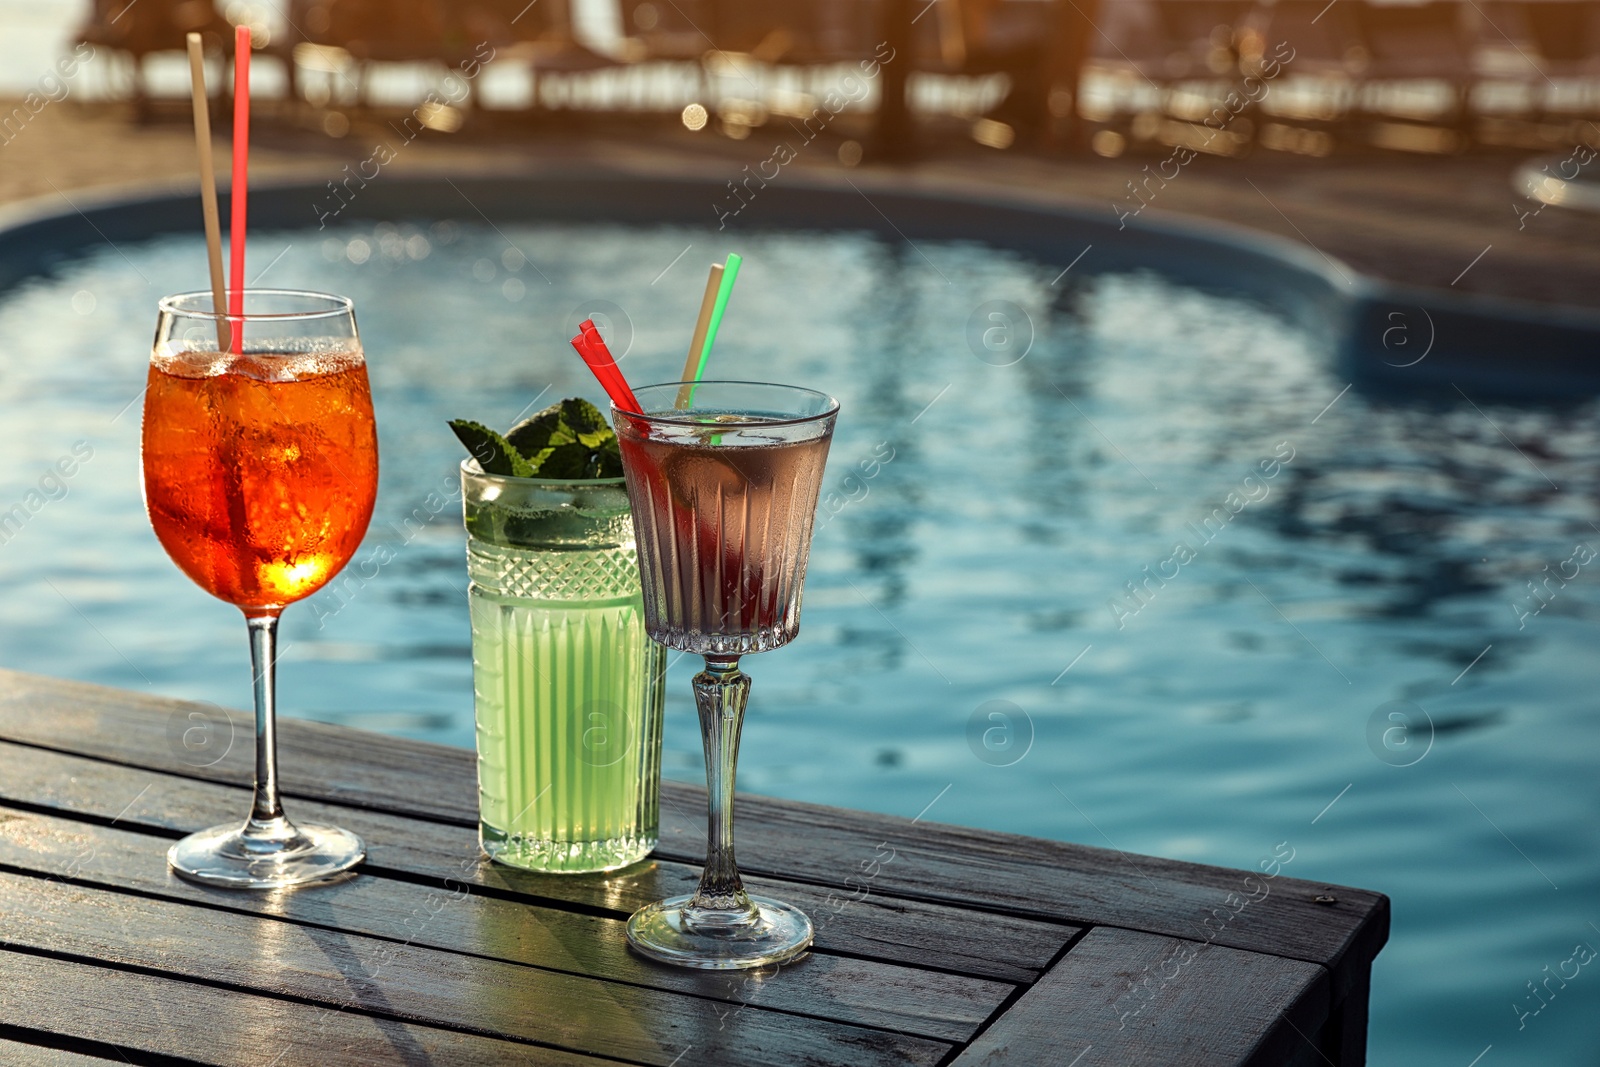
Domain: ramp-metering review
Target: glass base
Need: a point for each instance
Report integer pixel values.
(563, 857)
(270, 857)
(671, 932)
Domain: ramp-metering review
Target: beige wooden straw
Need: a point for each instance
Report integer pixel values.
(692, 364)
(208, 186)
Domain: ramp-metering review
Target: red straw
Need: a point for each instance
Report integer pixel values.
(592, 347)
(606, 373)
(238, 192)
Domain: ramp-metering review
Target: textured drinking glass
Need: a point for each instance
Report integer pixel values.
(724, 492)
(567, 684)
(260, 471)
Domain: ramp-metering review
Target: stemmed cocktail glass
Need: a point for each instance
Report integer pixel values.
(260, 471)
(724, 491)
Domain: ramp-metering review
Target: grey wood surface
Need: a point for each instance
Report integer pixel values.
(965, 947)
(870, 992)
(1048, 879)
(982, 944)
(351, 972)
(1141, 1000)
(17, 1054)
(134, 1016)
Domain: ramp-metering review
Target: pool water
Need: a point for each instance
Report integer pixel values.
(1328, 573)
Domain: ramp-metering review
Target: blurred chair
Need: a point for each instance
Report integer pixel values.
(1566, 34)
(1415, 43)
(1551, 41)
(342, 36)
(1325, 39)
(735, 43)
(775, 32)
(140, 28)
(451, 35)
(666, 30)
(960, 37)
(1034, 43)
(539, 35)
(1199, 70)
(333, 35)
(1311, 97)
(1198, 37)
(1126, 64)
(791, 32)
(1164, 67)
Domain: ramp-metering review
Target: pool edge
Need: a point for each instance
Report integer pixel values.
(1384, 337)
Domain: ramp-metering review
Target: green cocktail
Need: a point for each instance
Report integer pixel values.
(567, 685)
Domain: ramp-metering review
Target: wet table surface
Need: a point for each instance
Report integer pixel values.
(934, 944)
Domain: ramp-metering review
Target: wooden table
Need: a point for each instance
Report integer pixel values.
(935, 944)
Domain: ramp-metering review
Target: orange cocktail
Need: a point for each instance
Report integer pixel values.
(260, 470)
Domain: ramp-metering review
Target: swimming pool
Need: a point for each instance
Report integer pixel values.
(994, 495)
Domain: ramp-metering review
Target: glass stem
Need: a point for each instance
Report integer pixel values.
(720, 692)
(267, 826)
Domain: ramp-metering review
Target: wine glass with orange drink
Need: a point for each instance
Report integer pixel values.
(260, 472)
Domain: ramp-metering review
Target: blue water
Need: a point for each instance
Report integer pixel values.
(1243, 703)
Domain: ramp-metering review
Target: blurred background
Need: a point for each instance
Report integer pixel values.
(1386, 656)
(1107, 75)
(1397, 137)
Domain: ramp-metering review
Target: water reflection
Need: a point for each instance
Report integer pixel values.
(1393, 558)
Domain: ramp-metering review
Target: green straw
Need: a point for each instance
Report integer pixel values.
(730, 271)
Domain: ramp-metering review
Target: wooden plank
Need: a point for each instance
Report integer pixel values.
(876, 926)
(351, 767)
(1139, 1000)
(361, 974)
(1055, 879)
(1347, 1028)
(1026, 876)
(19, 1054)
(157, 1016)
(842, 989)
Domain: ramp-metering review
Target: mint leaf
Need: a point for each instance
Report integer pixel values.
(570, 439)
(570, 460)
(586, 422)
(495, 455)
(533, 434)
(608, 462)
